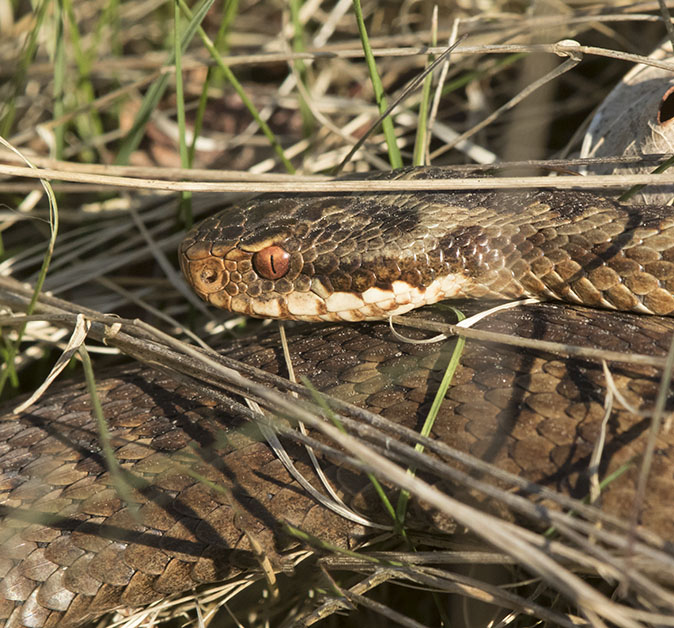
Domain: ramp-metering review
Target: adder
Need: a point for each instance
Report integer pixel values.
(73, 549)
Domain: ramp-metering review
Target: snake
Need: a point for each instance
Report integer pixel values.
(365, 257)
(72, 548)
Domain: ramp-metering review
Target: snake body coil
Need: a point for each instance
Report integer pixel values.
(71, 548)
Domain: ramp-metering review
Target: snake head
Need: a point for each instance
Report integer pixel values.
(237, 261)
(251, 258)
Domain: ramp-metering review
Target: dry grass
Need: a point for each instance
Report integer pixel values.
(99, 112)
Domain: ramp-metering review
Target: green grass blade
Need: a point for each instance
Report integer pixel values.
(59, 76)
(180, 94)
(420, 141)
(435, 408)
(8, 113)
(88, 125)
(314, 541)
(116, 473)
(229, 13)
(301, 67)
(11, 353)
(110, 19)
(248, 103)
(635, 189)
(387, 124)
(185, 197)
(605, 483)
(156, 91)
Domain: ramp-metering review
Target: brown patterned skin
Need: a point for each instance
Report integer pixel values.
(71, 549)
(571, 246)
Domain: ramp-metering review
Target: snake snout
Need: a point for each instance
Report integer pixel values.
(204, 271)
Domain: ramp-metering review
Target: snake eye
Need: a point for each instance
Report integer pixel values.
(272, 262)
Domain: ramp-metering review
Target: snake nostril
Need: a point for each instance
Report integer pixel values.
(271, 262)
(208, 276)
